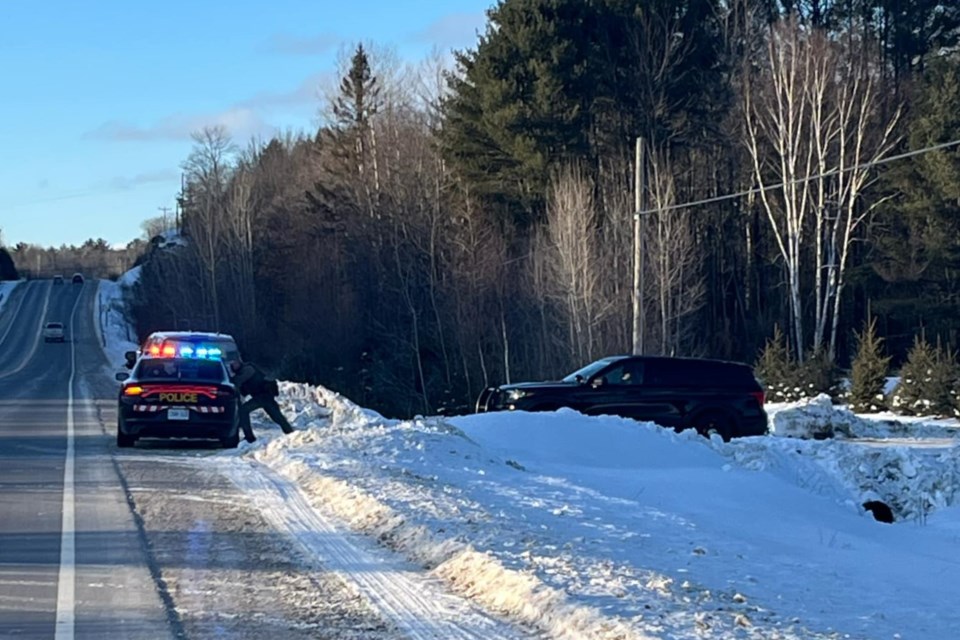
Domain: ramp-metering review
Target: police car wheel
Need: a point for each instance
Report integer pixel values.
(125, 441)
(231, 442)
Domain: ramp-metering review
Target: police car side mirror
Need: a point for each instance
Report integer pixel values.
(122, 376)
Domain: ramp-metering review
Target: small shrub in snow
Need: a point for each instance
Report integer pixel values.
(818, 374)
(869, 371)
(786, 380)
(776, 369)
(928, 381)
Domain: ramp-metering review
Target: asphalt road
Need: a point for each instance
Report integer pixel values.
(97, 542)
(65, 533)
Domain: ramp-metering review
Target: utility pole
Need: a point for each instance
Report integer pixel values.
(639, 217)
(165, 211)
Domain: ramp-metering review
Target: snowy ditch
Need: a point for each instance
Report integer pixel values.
(912, 465)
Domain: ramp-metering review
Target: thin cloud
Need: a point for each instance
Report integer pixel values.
(125, 183)
(307, 93)
(291, 45)
(239, 121)
(453, 30)
(43, 184)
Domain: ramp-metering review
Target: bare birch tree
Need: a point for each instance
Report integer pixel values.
(674, 264)
(208, 169)
(814, 125)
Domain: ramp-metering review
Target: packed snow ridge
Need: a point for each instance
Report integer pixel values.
(602, 527)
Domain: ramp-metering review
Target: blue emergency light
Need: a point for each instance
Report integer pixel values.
(189, 351)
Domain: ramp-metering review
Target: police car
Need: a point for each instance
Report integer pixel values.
(182, 394)
(195, 343)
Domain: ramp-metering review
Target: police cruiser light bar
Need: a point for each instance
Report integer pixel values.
(186, 351)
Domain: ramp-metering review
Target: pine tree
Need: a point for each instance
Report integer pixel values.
(359, 98)
(942, 387)
(776, 369)
(817, 374)
(8, 271)
(558, 80)
(869, 371)
(928, 381)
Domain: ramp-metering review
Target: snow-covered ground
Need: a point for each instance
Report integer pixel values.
(110, 319)
(818, 417)
(606, 528)
(6, 288)
(600, 527)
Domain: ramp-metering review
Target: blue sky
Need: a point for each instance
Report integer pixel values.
(99, 98)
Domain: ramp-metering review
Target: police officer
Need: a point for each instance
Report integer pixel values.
(251, 381)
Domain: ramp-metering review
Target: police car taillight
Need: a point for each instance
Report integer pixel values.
(132, 390)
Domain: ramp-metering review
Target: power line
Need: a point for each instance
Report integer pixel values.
(755, 190)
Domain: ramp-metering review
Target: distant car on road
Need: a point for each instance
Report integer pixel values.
(682, 393)
(54, 332)
(174, 397)
(57, 279)
(77, 278)
(186, 343)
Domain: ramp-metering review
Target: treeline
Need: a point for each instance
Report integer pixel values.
(449, 229)
(95, 258)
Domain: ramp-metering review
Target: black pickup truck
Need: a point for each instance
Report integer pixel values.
(682, 393)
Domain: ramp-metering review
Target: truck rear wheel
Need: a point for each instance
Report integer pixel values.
(714, 422)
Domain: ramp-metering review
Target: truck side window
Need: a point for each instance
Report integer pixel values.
(628, 373)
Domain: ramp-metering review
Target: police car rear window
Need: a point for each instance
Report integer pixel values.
(176, 369)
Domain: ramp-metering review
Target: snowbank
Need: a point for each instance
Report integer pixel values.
(114, 328)
(913, 481)
(6, 288)
(603, 527)
(819, 418)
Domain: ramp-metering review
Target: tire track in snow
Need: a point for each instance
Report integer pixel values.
(418, 605)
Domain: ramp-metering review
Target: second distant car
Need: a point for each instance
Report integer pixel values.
(77, 278)
(57, 279)
(54, 332)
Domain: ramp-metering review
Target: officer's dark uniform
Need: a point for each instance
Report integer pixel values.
(252, 382)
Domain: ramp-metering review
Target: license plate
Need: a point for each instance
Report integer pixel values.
(178, 414)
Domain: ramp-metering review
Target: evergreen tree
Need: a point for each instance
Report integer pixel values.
(908, 396)
(917, 238)
(8, 271)
(359, 98)
(928, 381)
(818, 373)
(869, 371)
(554, 81)
(776, 370)
(349, 183)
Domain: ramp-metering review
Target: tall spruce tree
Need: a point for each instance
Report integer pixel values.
(917, 242)
(558, 80)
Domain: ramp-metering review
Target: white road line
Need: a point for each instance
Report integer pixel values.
(36, 340)
(66, 582)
